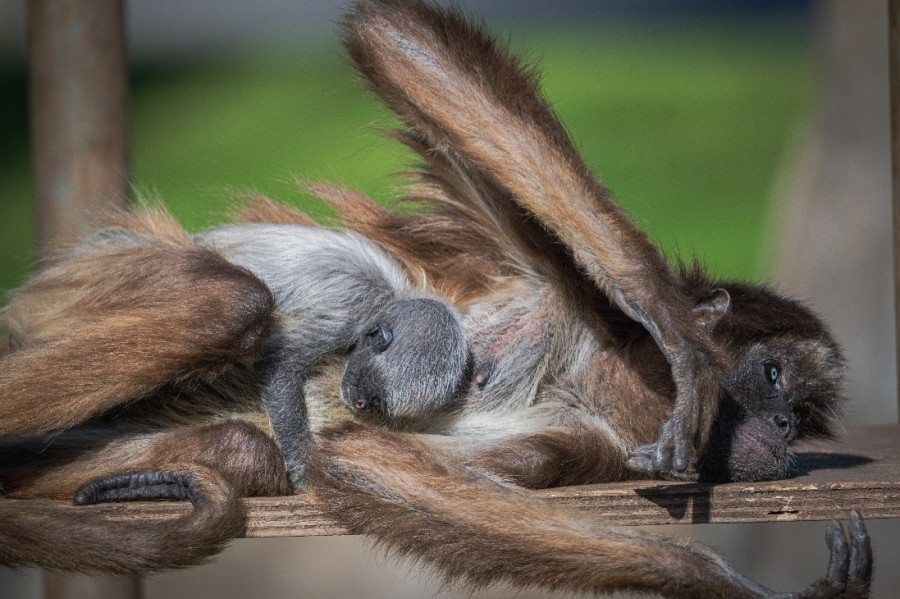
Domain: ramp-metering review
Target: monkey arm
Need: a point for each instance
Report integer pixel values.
(282, 369)
(471, 101)
(416, 499)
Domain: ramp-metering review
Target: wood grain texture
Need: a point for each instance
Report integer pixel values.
(79, 114)
(862, 472)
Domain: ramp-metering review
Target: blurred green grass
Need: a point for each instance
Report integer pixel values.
(687, 126)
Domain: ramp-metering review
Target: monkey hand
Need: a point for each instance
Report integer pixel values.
(673, 455)
(657, 460)
(850, 567)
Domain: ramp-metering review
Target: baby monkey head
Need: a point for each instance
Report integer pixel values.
(785, 383)
(410, 362)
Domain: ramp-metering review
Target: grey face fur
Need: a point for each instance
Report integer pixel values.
(409, 362)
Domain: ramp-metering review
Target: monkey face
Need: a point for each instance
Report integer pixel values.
(778, 392)
(411, 362)
(756, 423)
(785, 383)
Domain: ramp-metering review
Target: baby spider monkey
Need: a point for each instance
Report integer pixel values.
(337, 293)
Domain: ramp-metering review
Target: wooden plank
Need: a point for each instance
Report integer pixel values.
(862, 471)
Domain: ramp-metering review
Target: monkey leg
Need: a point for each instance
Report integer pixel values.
(249, 460)
(211, 466)
(532, 460)
(417, 500)
(139, 317)
(462, 94)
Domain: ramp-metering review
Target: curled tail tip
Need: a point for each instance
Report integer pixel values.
(60, 537)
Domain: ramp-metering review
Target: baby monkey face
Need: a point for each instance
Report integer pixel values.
(410, 362)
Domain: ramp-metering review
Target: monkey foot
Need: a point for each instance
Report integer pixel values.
(850, 567)
(138, 486)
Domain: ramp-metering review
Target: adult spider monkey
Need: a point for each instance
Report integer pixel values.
(592, 361)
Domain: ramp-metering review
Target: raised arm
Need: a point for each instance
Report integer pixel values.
(472, 102)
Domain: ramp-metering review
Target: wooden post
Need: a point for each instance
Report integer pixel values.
(79, 113)
(894, 45)
(79, 151)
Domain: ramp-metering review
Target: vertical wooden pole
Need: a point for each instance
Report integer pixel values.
(79, 151)
(894, 46)
(79, 120)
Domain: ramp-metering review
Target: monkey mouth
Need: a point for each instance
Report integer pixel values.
(360, 398)
(778, 450)
(762, 459)
(749, 456)
(359, 402)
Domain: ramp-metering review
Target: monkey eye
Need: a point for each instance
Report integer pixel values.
(380, 337)
(771, 372)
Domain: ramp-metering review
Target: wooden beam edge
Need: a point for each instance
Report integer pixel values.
(639, 503)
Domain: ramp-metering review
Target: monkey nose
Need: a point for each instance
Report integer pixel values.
(784, 426)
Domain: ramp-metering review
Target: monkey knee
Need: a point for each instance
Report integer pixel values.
(258, 466)
(234, 308)
(234, 435)
(255, 308)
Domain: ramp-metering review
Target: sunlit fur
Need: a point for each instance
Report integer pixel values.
(585, 346)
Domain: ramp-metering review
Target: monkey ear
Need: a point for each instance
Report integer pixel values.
(710, 310)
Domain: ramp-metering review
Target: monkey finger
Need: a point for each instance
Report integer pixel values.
(859, 573)
(656, 459)
(683, 445)
(644, 459)
(839, 562)
(832, 585)
(297, 476)
(663, 452)
(640, 462)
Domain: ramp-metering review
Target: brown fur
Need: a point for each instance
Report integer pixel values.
(468, 99)
(123, 547)
(228, 460)
(248, 459)
(121, 304)
(426, 506)
(583, 342)
(256, 208)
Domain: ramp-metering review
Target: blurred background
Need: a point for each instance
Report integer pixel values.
(751, 133)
